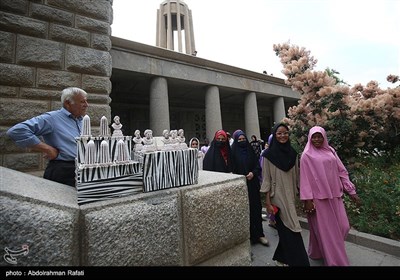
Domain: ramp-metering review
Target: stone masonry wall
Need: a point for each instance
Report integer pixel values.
(46, 46)
(206, 224)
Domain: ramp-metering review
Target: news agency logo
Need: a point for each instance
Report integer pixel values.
(10, 255)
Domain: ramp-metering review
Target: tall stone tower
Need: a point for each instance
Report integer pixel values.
(173, 18)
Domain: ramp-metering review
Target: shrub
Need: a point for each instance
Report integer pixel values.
(378, 185)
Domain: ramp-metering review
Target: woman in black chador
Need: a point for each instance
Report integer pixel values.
(245, 162)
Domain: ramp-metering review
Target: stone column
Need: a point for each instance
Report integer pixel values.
(251, 122)
(179, 26)
(170, 35)
(161, 37)
(279, 109)
(213, 112)
(189, 34)
(159, 105)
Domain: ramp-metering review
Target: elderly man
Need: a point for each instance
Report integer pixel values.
(58, 130)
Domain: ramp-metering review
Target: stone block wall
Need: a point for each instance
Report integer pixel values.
(41, 214)
(202, 224)
(46, 46)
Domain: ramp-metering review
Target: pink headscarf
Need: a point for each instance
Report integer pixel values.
(322, 173)
(310, 147)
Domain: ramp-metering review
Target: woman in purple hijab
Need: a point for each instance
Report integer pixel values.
(323, 178)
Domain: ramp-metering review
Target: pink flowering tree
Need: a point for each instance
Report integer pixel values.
(358, 119)
(375, 115)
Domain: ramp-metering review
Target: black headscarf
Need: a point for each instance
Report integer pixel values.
(281, 155)
(244, 158)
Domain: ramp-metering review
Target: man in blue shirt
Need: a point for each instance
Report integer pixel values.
(58, 130)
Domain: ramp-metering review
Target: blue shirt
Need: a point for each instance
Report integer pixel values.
(58, 129)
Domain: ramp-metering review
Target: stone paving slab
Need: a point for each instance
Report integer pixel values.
(358, 255)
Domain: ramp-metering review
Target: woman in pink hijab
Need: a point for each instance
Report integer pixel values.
(323, 178)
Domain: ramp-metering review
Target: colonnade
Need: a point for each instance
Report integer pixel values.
(160, 116)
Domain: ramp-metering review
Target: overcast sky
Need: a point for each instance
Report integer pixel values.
(358, 38)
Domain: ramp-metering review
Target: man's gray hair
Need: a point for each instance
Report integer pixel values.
(69, 93)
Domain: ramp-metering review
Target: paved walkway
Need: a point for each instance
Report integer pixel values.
(358, 255)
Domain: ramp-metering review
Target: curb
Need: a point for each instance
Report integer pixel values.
(386, 245)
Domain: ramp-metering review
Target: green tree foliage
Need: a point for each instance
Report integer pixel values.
(378, 181)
